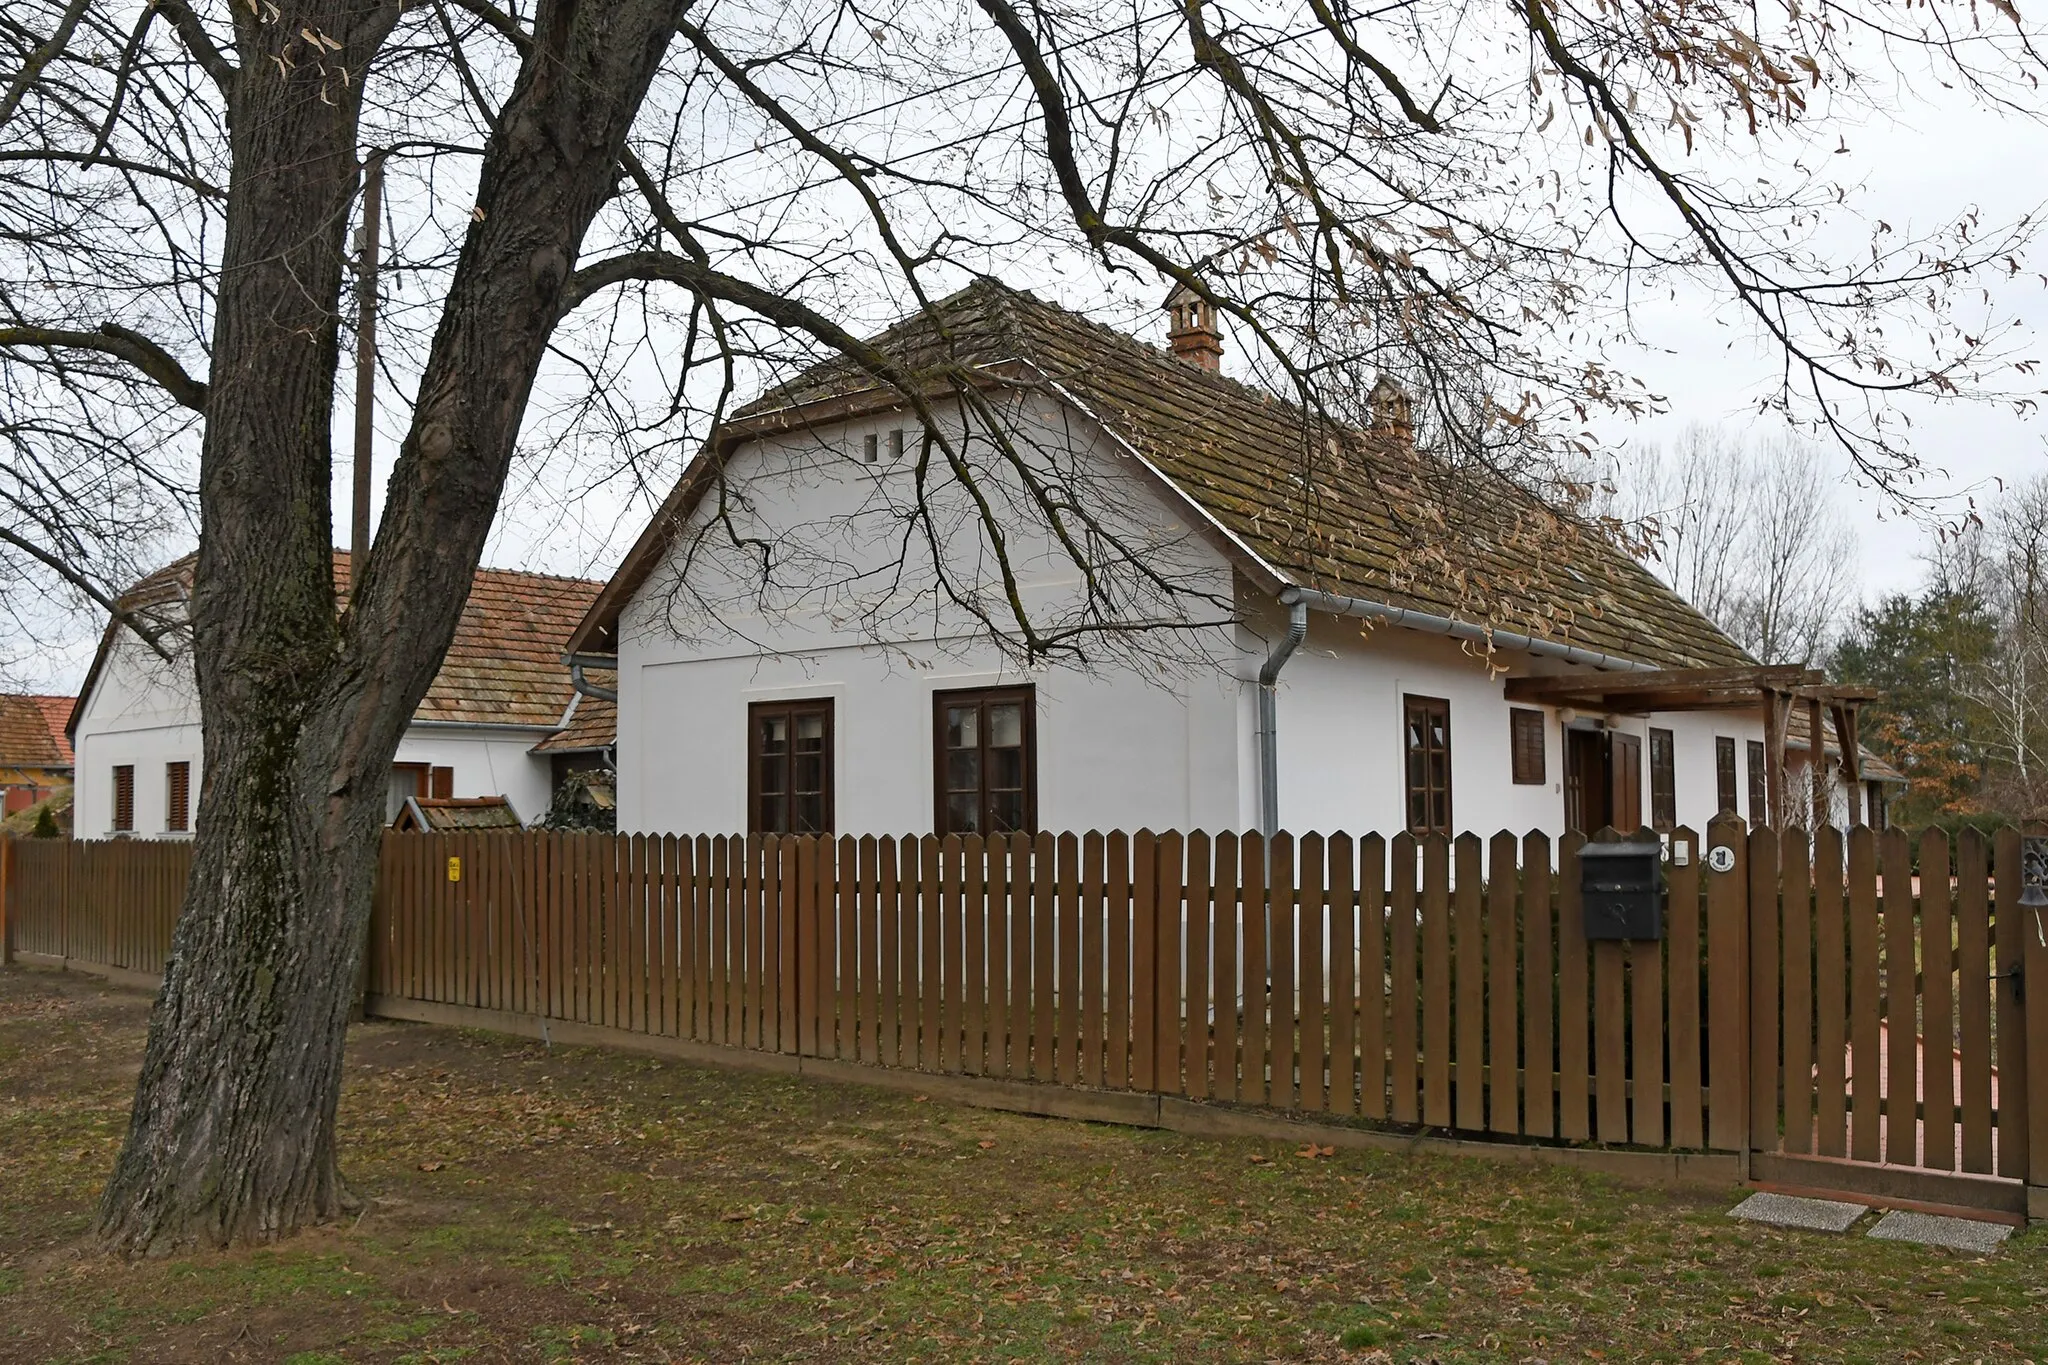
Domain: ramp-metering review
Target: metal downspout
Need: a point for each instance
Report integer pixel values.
(1269, 715)
(589, 688)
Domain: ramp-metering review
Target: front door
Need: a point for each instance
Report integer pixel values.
(1624, 783)
(1603, 781)
(1585, 780)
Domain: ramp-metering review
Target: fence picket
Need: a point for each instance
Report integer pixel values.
(1503, 995)
(1937, 1003)
(1973, 951)
(1830, 999)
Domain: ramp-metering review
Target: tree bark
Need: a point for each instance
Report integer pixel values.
(232, 1134)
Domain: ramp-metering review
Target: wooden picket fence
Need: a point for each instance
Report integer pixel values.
(1385, 979)
(1788, 1014)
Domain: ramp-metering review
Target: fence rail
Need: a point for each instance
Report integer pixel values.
(1847, 999)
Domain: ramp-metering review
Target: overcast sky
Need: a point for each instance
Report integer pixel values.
(1917, 173)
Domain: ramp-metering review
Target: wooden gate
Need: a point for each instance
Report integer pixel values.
(1890, 1037)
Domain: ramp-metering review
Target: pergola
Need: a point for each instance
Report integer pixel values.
(1777, 688)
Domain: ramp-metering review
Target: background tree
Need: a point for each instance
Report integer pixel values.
(1918, 650)
(1748, 530)
(632, 209)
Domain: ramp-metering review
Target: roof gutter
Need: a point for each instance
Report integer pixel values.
(1429, 624)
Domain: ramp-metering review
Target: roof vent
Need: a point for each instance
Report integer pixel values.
(1192, 333)
(1393, 412)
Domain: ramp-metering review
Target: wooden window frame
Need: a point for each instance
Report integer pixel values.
(792, 708)
(178, 797)
(1727, 782)
(1663, 780)
(1522, 721)
(1411, 705)
(124, 798)
(1759, 786)
(984, 696)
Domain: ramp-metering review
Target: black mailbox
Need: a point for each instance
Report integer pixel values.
(1621, 890)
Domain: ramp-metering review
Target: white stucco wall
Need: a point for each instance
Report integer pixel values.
(1126, 738)
(144, 712)
(1167, 742)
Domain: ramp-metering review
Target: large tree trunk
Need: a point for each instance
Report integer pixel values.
(232, 1134)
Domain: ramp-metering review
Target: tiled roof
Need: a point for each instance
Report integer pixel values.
(32, 731)
(1356, 513)
(447, 814)
(594, 724)
(504, 666)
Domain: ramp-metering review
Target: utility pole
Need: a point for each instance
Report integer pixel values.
(366, 355)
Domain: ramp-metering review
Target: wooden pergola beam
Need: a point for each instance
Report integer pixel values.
(1783, 676)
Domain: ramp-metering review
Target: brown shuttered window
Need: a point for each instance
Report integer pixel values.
(1759, 790)
(177, 797)
(442, 783)
(985, 761)
(1427, 739)
(1724, 775)
(1525, 744)
(789, 767)
(1663, 779)
(124, 797)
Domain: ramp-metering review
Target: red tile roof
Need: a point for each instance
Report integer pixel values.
(32, 731)
(504, 666)
(593, 725)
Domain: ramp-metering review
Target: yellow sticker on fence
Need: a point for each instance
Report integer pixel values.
(455, 869)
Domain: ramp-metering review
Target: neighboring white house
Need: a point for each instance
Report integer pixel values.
(786, 658)
(501, 695)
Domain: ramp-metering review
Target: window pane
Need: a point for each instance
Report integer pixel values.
(1006, 725)
(1006, 810)
(1005, 769)
(810, 814)
(810, 773)
(774, 820)
(963, 813)
(774, 734)
(963, 729)
(772, 770)
(963, 770)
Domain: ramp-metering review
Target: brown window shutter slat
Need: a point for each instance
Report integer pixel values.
(178, 793)
(124, 797)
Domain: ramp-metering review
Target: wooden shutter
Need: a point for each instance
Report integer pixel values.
(124, 797)
(1663, 779)
(443, 784)
(1724, 775)
(1625, 783)
(1525, 744)
(177, 797)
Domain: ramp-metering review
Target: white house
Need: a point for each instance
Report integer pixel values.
(501, 697)
(803, 642)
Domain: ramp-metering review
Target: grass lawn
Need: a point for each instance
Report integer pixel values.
(579, 1205)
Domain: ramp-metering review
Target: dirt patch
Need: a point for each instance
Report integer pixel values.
(528, 1204)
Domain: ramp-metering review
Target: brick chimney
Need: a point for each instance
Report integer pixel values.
(1191, 332)
(1393, 412)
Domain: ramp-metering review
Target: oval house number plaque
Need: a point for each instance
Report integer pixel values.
(1721, 858)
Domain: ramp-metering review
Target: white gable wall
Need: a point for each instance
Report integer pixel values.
(1128, 744)
(1144, 737)
(145, 712)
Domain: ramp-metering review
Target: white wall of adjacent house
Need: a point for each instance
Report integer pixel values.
(143, 714)
(1165, 740)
